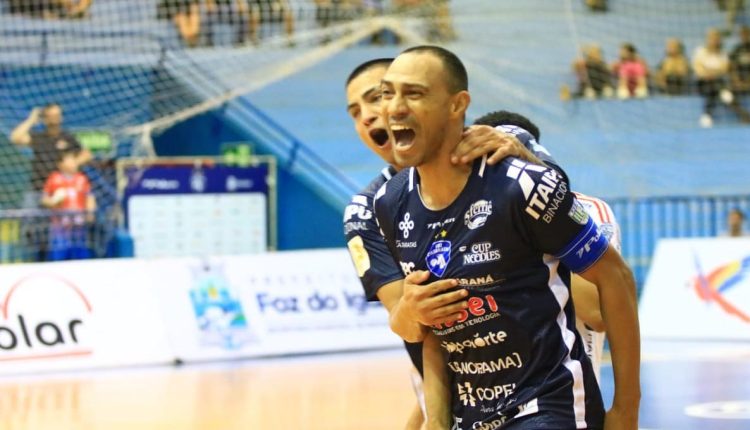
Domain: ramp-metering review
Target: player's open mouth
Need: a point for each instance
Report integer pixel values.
(403, 136)
(379, 136)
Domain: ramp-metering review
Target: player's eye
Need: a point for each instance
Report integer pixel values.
(386, 94)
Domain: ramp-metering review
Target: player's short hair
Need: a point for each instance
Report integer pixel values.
(458, 79)
(739, 212)
(504, 117)
(367, 65)
(51, 105)
(66, 152)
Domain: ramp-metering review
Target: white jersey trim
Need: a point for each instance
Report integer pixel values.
(562, 295)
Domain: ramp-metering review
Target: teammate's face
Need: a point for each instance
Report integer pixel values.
(416, 107)
(363, 104)
(52, 116)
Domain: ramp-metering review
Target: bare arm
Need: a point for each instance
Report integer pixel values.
(21, 135)
(616, 287)
(412, 306)
(84, 156)
(437, 394)
(480, 140)
(586, 302)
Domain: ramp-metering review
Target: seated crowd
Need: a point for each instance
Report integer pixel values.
(717, 75)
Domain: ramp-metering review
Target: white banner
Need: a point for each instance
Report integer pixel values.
(698, 289)
(277, 303)
(78, 315)
(99, 313)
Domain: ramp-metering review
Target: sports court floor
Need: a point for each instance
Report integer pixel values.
(686, 386)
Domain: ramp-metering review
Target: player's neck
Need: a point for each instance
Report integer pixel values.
(441, 181)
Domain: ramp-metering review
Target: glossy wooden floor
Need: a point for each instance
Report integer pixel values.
(685, 387)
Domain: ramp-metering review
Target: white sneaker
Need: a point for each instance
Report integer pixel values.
(726, 96)
(706, 121)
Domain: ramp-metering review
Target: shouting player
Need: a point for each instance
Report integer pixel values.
(513, 358)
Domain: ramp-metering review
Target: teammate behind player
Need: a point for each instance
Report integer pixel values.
(513, 356)
(585, 296)
(381, 276)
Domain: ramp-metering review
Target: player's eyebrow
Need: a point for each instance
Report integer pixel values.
(407, 85)
(365, 95)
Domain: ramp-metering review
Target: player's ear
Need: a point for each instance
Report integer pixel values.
(460, 104)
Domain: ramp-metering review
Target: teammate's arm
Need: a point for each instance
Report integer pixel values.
(21, 135)
(480, 140)
(617, 292)
(437, 394)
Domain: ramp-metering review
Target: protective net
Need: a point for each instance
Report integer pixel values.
(122, 71)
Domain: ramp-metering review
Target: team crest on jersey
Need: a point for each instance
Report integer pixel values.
(578, 213)
(477, 214)
(438, 257)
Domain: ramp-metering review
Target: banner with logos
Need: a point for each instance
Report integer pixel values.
(698, 289)
(76, 315)
(102, 313)
(268, 304)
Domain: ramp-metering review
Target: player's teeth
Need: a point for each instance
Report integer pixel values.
(399, 127)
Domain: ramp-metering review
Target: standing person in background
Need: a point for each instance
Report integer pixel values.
(186, 17)
(47, 144)
(735, 219)
(68, 192)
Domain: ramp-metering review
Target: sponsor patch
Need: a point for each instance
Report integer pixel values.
(477, 214)
(359, 254)
(481, 253)
(578, 213)
(438, 257)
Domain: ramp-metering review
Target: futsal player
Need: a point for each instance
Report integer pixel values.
(513, 359)
(585, 297)
(381, 276)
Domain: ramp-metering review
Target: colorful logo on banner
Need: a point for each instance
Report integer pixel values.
(43, 316)
(218, 311)
(713, 286)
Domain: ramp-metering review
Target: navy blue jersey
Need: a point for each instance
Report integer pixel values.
(514, 357)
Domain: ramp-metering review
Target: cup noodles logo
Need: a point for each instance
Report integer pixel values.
(43, 316)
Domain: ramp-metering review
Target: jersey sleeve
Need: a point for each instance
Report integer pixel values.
(371, 256)
(555, 221)
(528, 141)
(50, 185)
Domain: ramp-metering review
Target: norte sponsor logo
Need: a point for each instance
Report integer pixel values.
(44, 316)
(477, 214)
(482, 367)
(481, 253)
(440, 224)
(493, 338)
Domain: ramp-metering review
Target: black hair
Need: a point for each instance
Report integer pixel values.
(739, 212)
(367, 65)
(459, 79)
(504, 117)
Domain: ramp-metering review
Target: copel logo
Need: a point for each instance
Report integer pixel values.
(717, 285)
(43, 316)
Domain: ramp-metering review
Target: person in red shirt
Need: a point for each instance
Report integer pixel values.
(68, 192)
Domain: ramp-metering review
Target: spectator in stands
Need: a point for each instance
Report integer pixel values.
(711, 66)
(673, 74)
(47, 144)
(51, 9)
(594, 78)
(235, 13)
(68, 192)
(735, 219)
(329, 12)
(739, 65)
(733, 9)
(632, 73)
(271, 11)
(186, 17)
(596, 5)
